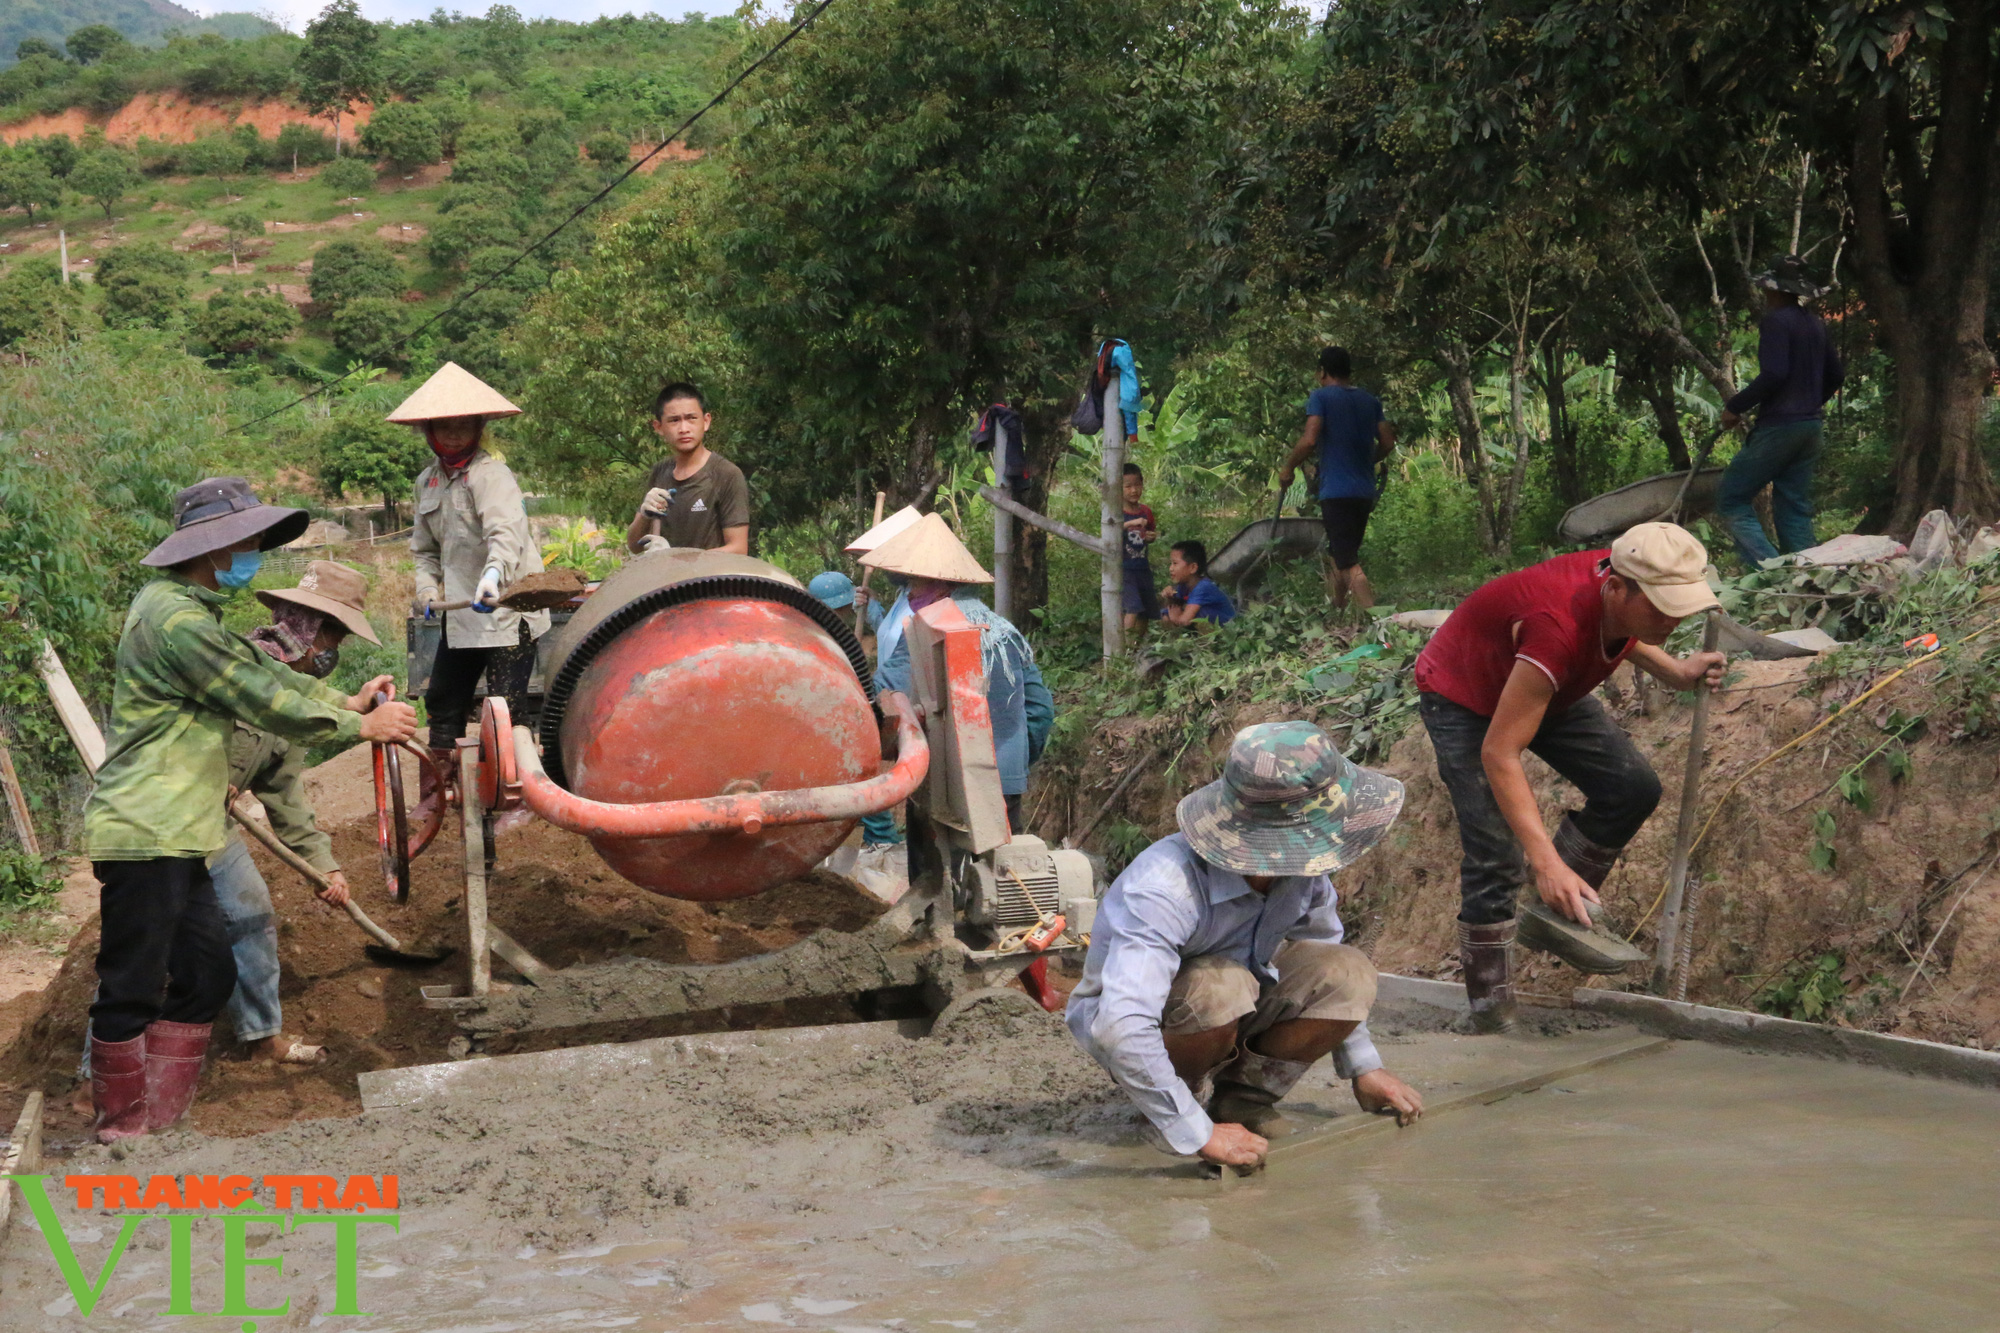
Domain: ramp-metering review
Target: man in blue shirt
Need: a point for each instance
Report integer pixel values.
(1219, 961)
(1797, 371)
(1345, 424)
(1193, 595)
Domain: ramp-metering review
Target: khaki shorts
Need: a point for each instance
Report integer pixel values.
(1334, 982)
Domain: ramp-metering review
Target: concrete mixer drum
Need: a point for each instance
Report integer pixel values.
(694, 674)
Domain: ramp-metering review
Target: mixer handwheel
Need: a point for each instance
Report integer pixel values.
(392, 824)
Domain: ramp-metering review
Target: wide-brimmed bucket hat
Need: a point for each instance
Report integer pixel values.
(332, 590)
(1289, 803)
(1787, 273)
(216, 513)
(927, 549)
(453, 392)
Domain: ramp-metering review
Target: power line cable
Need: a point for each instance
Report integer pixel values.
(558, 229)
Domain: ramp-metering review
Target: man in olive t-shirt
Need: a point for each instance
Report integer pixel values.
(698, 500)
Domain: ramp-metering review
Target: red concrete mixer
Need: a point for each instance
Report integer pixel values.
(709, 727)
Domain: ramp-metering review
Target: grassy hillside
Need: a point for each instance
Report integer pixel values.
(143, 22)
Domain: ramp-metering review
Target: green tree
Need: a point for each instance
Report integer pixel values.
(345, 271)
(25, 182)
(405, 133)
(372, 328)
(143, 282)
(239, 325)
(35, 302)
(215, 155)
(347, 176)
(104, 176)
(95, 43)
(241, 227)
(945, 199)
(302, 146)
(58, 152)
(360, 451)
(503, 41)
(35, 46)
(340, 62)
(607, 149)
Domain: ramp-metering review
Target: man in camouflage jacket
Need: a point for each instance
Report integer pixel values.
(182, 683)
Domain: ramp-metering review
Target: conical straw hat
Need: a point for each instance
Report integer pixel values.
(453, 392)
(927, 549)
(883, 531)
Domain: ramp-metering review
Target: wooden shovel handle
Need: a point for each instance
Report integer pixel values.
(311, 875)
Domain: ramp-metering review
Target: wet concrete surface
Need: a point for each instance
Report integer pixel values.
(1691, 1188)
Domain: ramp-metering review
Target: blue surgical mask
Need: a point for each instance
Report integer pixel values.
(243, 567)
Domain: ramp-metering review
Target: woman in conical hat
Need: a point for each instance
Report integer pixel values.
(470, 539)
(938, 566)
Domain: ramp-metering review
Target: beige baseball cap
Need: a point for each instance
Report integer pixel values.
(1668, 564)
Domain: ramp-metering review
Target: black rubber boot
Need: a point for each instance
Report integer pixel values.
(1486, 954)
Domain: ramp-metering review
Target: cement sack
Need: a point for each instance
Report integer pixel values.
(1851, 549)
(1931, 548)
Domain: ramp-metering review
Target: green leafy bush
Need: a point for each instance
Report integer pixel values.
(27, 883)
(104, 176)
(347, 176)
(239, 325)
(360, 451)
(370, 327)
(143, 282)
(344, 271)
(405, 133)
(34, 302)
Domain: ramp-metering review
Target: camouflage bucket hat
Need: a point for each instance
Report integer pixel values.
(1289, 803)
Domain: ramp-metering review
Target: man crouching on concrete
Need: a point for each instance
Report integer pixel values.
(1218, 953)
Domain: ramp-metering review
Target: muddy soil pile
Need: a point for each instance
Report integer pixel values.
(1765, 907)
(550, 892)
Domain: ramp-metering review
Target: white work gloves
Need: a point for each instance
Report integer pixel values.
(653, 543)
(488, 592)
(426, 600)
(657, 502)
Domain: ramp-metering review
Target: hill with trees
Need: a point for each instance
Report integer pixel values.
(139, 22)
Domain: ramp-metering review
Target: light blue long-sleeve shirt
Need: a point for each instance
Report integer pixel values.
(1019, 702)
(1170, 906)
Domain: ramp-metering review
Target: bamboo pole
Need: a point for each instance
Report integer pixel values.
(1001, 500)
(1668, 951)
(17, 804)
(1003, 533)
(1111, 577)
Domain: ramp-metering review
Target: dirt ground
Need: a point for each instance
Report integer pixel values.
(1764, 907)
(550, 892)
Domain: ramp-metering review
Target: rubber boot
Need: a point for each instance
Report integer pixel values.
(174, 1053)
(1486, 953)
(118, 1087)
(430, 792)
(1596, 951)
(1249, 1088)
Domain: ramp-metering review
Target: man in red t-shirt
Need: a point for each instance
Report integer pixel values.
(1513, 670)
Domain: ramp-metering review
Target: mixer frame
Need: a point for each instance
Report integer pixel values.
(923, 945)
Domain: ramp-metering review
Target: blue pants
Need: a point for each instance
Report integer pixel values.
(254, 1011)
(1781, 457)
(880, 829)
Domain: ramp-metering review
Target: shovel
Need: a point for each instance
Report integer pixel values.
(1672, 513)
(387, 948)
(536, 592)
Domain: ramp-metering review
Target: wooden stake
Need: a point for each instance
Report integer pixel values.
(17, 804)
(75, 714)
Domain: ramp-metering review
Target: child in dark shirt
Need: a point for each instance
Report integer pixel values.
(1142, 596)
